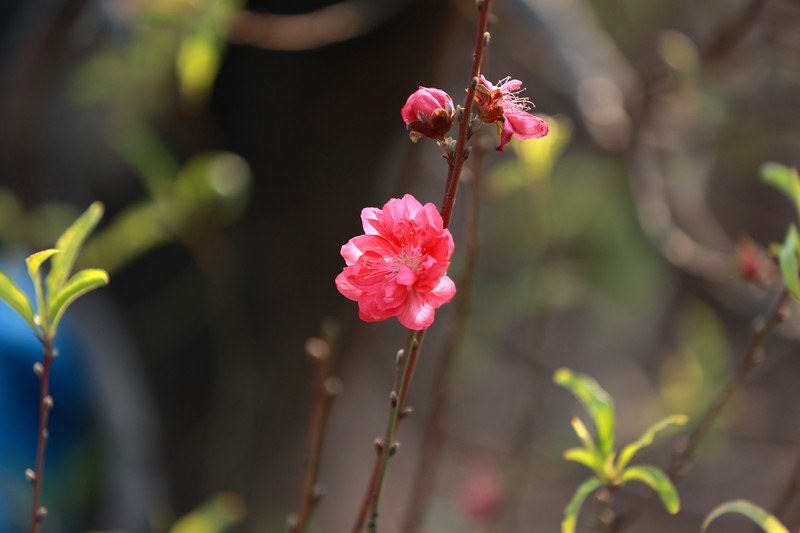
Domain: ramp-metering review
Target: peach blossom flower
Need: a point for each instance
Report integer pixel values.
(429, 112)
(397, 268)
(503, 105)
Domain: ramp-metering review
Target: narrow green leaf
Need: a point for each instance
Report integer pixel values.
(34, 262)
(573, 508)
(768, 522)
(588, 458)
(784, 179)
(788, 262)
(596, 401)
(78, 285)
(70, 242)
(16, 299)
(647, 437)
(656, 479)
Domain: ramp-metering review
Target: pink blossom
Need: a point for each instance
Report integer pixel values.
(503, 105)
(429, 112)
(398, 267)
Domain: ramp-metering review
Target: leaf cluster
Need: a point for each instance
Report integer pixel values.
(60, 287)
(610, 467)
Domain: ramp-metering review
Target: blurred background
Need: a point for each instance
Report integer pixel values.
(234, 146)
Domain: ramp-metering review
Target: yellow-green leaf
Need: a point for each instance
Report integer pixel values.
(217, 515)
(647, 437)
(573, 508)
(656, 479)
(596, 401)
(70, 243)
(16, 299)
(78, 285)
(788, 262)
(34, 262)
(783, 178)
(588, 458)
(765, 520)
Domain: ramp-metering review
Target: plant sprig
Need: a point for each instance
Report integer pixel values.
(53, 295)
(610, 467)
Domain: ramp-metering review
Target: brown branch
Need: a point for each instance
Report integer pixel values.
(36, 476)
(326, 388)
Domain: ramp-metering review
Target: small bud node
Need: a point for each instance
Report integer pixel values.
(400, 355)
(486, 38)
(393, 399)
(38, 369)
(47, 402)
(378, 443)
(333, 386)
(41, 512)
(405, 412)
(317, 348)
(30, 475)
(319, 491)
(393, 448)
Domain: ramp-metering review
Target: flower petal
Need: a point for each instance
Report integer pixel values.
(526, 126)
(416, 314)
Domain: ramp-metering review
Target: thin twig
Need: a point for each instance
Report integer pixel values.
(454, 174)
(686, 450)
(36, 476)
(386, 447)
(326, 387)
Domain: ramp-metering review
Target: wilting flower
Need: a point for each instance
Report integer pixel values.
(503, 105)
(429, 112)
(398, 267)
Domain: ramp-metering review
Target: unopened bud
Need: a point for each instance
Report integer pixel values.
(428, 112)
(317, 348)
(292, 522)
(318, 491)
(30, 475)
(399, 358)
(38, 369)
(406, 411)
(378, 443)
(47, 402)
(486, 38)
(393, 448)
(393, 399)
(41, 512)
(333, 386)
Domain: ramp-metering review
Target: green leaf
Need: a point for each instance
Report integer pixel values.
(573, 508)
(788, 262)
(215, 516)
(768, 522)
(81, 283)
(16, 299)
(588, 458)
(647, 437)
(596, 401)
(34, 262)
(70, 243)
(657, 480)
(784, 179)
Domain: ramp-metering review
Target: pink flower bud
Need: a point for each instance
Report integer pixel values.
(429, 112)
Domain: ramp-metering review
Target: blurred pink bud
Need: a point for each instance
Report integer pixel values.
(482, 496)
(753, 263)
(397, 268)
(429, 112)
(503, 106)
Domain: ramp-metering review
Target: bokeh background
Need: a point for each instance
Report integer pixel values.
(234, 147)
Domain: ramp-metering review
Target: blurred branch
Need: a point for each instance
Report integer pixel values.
(434, 434)
(329, 25)
(686, 449)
